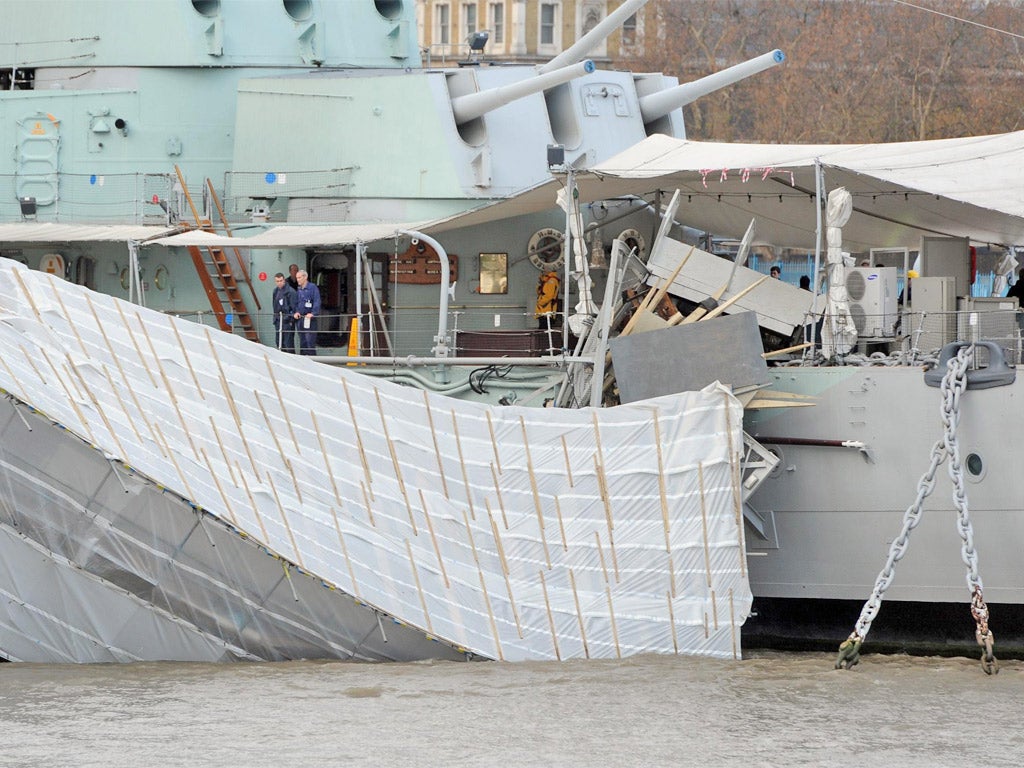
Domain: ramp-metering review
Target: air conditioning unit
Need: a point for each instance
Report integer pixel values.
(872, 296)
(931, 322)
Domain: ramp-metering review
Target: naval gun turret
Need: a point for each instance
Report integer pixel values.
(474, 105)
(657, 105)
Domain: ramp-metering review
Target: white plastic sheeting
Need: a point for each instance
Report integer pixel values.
(512, 533)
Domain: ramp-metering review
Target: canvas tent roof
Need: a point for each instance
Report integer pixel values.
(956, 187)
(50, 232)
(292, 236)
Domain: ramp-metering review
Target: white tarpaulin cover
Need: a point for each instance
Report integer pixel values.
(511, 533)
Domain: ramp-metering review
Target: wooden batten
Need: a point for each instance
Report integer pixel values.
(184, 353)
(551, 616)
(611, 617)
(662, 492)
(672, 622)
(71, 398)
(120, 401)
(280, 399)
(490, 612)
(96, 404)
(284, 519)
(277, 443)
(462, 464)
(494, 443)
(734, 476)
(170, 454)
(135, 343)
(433, 539)
(366, 501)
(501, 501)
(223, 451)
(561, 525)
(220, 488)
(344, 551)
(437, 448)
(600, 553)
(359, 441)
(732, 627)
(579, 613)
(327, 457)
(568, 464)
(704, 521)
(419, 588)
(67, 316)
(394, 462)
(252, 501)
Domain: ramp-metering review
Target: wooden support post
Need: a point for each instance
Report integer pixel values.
(600, 552)
(359, 439)
(255, 506)
(672, 623)
(170, 454)
(28, 294)
(536, 494)
(568, 465)
(284, 519)
(490, 613)
(732, 626)
(433, 538)
(611, 616)
(462, 464)
(124, 408)
(714, 608)
(561, 525)
(497, 539)
(419, 588)
(220, 488)
(394, 462)
(280, 399)
(704, 521)
(344, 551)
(579, 613)
(67, 316)
(551, 618)
(327, 458)
(661, 486)
(184, 353)
(135, 343)
(602, 486)
(277, 444)
(437, 449)
(494, 442)
(366, 501)
(732, 300)
(97, 406)
(501, 501)
(223, 450)
(71, 398)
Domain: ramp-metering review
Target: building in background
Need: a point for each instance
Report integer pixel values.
(520, 30)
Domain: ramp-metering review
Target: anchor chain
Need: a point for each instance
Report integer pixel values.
(953, 384)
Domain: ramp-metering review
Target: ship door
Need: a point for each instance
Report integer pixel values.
(333, 282)
(37, 158)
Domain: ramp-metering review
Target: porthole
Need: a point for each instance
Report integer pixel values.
(975, 466)
(389, 9)
(206, 7)
(299, 10)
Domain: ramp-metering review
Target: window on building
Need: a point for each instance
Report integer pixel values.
(442, 24)
(629, 31)
(548, 24)
(498, 22)
(468, 19)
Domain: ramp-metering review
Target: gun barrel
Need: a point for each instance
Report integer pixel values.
(659, 104)
(593, 38)
(474, 105)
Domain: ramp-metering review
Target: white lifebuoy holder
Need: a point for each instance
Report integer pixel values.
(53, 263)
(633, 239)
(546, 249)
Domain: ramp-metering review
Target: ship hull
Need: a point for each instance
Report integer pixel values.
(834, 511)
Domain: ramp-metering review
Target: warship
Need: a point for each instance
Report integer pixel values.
(177, 154)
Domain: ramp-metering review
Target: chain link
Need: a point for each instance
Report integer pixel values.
(953, 384)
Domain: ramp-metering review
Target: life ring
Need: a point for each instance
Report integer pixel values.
(52, 263)
(633, 239)
(546, 249)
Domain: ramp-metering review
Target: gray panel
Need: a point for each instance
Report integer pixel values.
(689, 357)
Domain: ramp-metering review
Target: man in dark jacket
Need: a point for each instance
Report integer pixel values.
(307, 308)
(284, 313)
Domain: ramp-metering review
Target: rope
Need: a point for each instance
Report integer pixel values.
(953, 384)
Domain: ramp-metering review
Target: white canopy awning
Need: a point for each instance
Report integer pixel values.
(901, 191)
(303, 236)
(958, 187)
(48, 232)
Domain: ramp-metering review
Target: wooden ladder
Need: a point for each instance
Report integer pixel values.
(215, 273)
